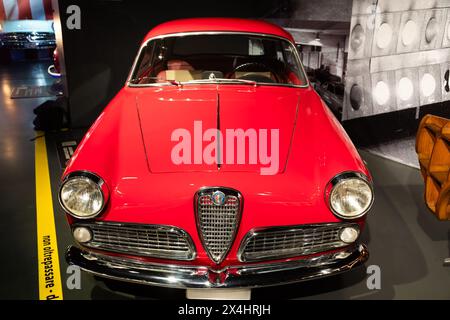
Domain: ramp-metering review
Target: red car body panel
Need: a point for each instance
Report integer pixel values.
(114, 149)
(218, 24)
(267, 107)
(129, 146)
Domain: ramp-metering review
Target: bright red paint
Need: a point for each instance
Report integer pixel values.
(56, 60)
(218, 24)
(145, 187)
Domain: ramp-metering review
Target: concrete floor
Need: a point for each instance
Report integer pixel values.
(404, 239)
(402, 150)
(18, 270)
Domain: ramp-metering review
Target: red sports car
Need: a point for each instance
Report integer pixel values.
(216, 166)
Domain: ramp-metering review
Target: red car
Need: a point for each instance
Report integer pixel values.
(216, 166)
(54, 69)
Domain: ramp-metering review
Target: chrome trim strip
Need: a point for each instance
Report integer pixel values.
(181, 34)
(256, 231)
(191, 276)
(182, 233)
(342, 176)
(228, 191)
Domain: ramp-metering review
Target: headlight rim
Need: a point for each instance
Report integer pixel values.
(97, 180)
(343, 176)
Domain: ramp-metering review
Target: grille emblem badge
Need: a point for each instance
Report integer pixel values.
(218, 198)
(218, 212)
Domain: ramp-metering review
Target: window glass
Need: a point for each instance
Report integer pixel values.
(219, 57)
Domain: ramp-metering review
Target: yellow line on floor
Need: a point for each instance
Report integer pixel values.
(50, 287)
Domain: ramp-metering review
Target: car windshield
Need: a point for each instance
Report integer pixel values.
(221, 58)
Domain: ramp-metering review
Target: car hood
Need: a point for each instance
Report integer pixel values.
(27, 26)
(176, 123)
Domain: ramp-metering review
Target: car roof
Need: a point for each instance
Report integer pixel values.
(218, 24)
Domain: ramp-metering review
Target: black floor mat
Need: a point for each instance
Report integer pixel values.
(24, 91)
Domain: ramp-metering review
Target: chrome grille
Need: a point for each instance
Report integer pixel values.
(217, 224)
(24, 39)
(283, 242)
(157, 241)
(28, 36)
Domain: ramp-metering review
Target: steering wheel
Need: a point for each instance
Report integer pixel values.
(254, 77)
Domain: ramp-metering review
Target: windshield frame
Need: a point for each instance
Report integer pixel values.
(181, 34)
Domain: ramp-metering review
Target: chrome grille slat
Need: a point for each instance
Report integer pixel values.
(130, 236)
(217, 224)
(23, 36)
(282, 242)
(149, 244)
(157, 241)
(28, 40)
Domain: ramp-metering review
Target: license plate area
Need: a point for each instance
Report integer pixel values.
(218, 294)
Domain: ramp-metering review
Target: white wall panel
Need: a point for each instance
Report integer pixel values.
(408, 63)
(385, 34)
(432, 29)
(430, 84)
(407, 88)
(409, 31)
(446, 33)
(384, 92)
(358, 100)
(360, 40)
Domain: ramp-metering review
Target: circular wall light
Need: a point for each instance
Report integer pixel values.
(384, 36)
(409, 33)
(431, 30)
(381, 93)
(357, 37)
(356, 97)
(427, 84)
(405, 89)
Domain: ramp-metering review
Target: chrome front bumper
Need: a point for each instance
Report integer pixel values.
(27, 40)
(242, 276)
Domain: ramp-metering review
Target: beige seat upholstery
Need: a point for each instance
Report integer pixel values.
(179, 75)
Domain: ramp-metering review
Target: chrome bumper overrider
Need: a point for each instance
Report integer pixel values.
(188, 276)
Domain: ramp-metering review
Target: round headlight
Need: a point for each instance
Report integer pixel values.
(351, 195)
(82, 196)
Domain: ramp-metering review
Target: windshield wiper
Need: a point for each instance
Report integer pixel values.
(175, 83)
(137, 80)
(180, 83)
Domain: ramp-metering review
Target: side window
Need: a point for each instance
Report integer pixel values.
(144, 62)
(292, 63)
(151, 55)
(290, 57)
